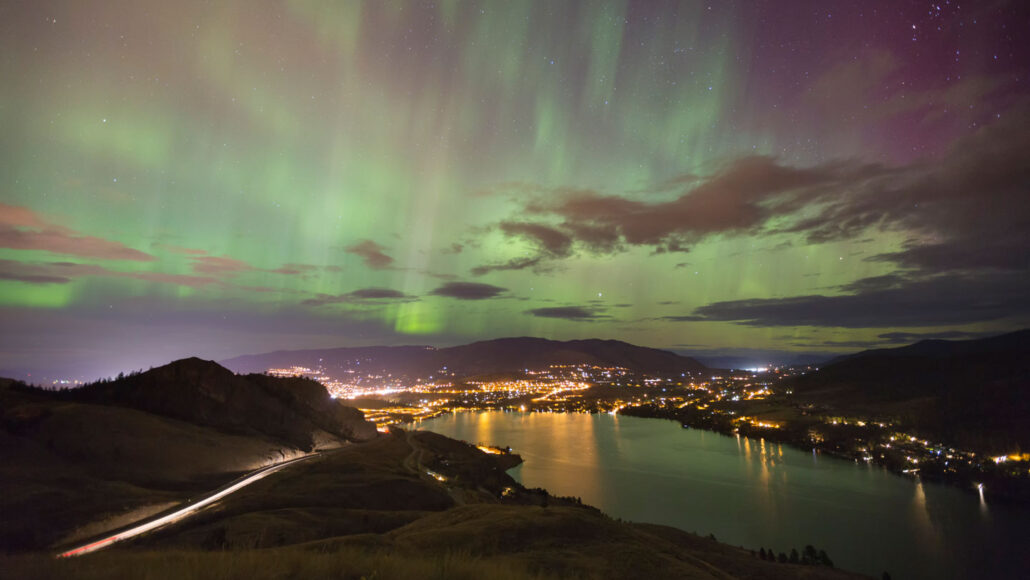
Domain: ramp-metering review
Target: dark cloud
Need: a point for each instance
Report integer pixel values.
(967, 211)
(683, 318)
(875, 283)
(596, 239)
(33, 278)
(548, 240)
(568, 313)
(372, 253)
(24, 229)
(549, 243)
(468, 291)
(740, 197)
(377, 293)
(534, 263)
(971, 251)
(918, 302)
(454, 249)
(909, 337)
(362, 296)
(964, 211)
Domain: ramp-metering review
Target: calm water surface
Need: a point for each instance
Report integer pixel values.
(757, 494)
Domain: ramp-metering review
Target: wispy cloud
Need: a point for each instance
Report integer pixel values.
(64, 272)
(24, 229)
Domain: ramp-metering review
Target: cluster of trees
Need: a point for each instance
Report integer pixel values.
(808, 557)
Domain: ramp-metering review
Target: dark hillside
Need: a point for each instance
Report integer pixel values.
(974, 394)
(65, 464)
(204, 393)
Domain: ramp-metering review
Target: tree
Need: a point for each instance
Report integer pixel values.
(761, 553)
(794, 559)
(810, 555)
(885, 576)
(782, 558)
(824, 559)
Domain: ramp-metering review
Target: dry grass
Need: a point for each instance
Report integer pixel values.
(280, 563)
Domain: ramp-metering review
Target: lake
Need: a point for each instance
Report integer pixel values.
(758, 494)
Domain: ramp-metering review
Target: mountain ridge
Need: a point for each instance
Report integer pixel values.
(937, 347)
(971, 393)
(498, 355)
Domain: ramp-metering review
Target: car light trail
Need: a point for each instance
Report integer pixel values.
(180, 513)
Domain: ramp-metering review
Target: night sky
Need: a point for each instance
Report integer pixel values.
(755, 178)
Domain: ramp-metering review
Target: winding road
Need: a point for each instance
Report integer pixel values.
(181, 511)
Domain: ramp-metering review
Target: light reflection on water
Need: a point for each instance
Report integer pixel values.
(758, 494)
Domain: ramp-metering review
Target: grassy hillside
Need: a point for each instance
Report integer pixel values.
(344, 564)
(381, 508)
(83, 461)
(65, 464)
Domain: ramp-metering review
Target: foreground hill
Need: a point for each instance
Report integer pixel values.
(972, 393)
(490, 356)
(407, 504)
(296, 411)
(414, 505)
(117, 449)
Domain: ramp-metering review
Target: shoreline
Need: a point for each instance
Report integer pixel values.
(999, 490)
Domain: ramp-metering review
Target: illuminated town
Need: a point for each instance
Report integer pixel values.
(750, 404)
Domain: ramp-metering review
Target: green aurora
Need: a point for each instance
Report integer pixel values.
(215, 179)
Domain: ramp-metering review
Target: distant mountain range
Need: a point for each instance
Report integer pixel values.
(974, 393)
(491, 356)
